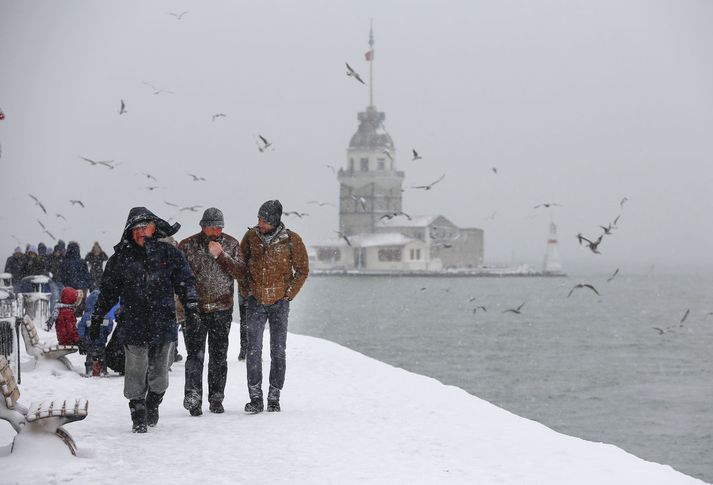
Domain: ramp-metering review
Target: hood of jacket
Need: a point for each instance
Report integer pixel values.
(69, 295)
(72, 251)
(142, 214)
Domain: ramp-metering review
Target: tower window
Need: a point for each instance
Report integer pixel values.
(351, 164)
(380, 164)
(364, 162)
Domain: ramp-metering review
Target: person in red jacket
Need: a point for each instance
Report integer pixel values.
(66, 322)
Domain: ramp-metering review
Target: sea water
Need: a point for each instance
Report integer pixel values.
(585, 365)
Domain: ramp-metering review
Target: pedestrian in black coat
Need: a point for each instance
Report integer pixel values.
(95, 259)
(145, 274)
(73, 269)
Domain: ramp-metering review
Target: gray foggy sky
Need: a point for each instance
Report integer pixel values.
(576, 102)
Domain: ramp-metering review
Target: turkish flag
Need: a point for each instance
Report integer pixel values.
(369, 55)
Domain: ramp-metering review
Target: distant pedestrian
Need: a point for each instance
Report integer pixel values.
(53, 261)
(73, 269)
(42, 255)
(95, 259)
(14, 265)
(277, 267)
(216, 261)
(32, 265)
(145, 274)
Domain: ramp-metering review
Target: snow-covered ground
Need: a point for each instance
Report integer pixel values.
(346, 419)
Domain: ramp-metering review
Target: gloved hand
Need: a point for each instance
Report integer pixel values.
(95, 326)
(82, 348)
(193, 317)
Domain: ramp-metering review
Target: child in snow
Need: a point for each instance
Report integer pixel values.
(64, 317)
(95, 362)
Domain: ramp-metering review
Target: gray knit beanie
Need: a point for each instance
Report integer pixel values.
(212, 217)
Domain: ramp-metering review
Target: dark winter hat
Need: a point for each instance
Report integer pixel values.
(271, 212)
(212, 217)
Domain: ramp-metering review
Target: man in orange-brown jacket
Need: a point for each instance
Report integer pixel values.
(277, 267)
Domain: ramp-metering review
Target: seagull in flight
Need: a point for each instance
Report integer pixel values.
(298, 214)
(151, 188)
(170, 203)
(262, 143)
(45, 231)
(593, 245)
(428, 187)
(331, 167)
(352, 73)
(607, 229)
(685, 315)
(149, 176)
(192, 208)
(391, 215)
(495, 170)
(388, 154)
(515, 310)
(157, 90)
(37, 202)
(582, 285)
(77, 202)
(623, 201)
(178, 16)
(321, 204)
(416, 156)
(659, 330)
(547, 205)
(61, 216)
(479, 307)
(196, 178)
(361, 200)
(344, 236)
(613, 275)
(122, 110)
(218, 115)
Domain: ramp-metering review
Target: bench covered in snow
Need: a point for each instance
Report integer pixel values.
(37, 348)
(45, 417)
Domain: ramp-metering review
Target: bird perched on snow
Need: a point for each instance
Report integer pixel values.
(122, 109)
(77, 202)
(429, 186)
(582, 285)
(178, 16)
(37, 202)
(515, 310)
(344, 236)
(416, 156)
(196, 178)
(352, 73)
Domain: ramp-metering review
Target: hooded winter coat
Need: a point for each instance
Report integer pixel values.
(277, 267)
(14, 265)
(145, 279)
(66, 323)
(214, 276)
(73, 269)
(33, 265)
(96, 262)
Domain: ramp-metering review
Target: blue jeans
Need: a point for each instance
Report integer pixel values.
(257, 315)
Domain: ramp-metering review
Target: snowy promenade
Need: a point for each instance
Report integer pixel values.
(346, 419)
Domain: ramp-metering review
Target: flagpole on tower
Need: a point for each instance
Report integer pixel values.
(371, 62)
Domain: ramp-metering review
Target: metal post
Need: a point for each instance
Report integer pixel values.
(18, 322)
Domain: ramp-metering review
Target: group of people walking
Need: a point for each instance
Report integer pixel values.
(64, 265)
(150, 279)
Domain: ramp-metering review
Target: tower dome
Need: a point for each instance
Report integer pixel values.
(371, 133)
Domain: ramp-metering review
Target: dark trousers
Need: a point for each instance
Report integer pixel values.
(216, 327)
(243, 308)
(257, 315)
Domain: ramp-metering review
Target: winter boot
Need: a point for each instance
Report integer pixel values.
(153, 399)
(273, 400)
(216, 407)
(192, 402)
(254, 406)
(138, 415)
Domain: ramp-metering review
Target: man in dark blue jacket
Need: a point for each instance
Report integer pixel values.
(145, 274)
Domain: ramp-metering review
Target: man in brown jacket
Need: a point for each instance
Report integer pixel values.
(216, 260)
(277, 267)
